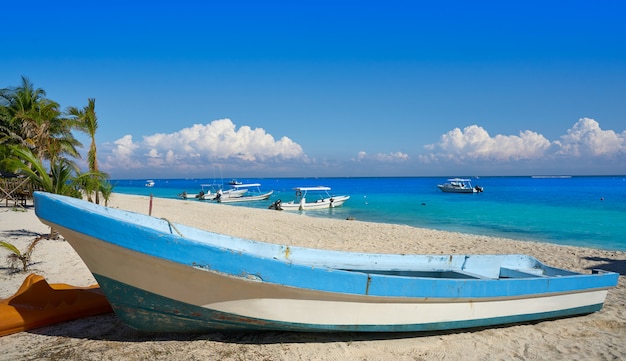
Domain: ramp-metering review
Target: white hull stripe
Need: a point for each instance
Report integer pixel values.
(349, 313)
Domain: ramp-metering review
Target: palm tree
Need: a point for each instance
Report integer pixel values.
(60, 180)
(34, 122)
(106, 188)
(87, 122)
(20, 104)
(15, 104)
(33, 131)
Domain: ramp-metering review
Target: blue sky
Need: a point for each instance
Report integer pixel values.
(330, 88)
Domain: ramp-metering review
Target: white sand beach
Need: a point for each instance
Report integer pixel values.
(598, 336)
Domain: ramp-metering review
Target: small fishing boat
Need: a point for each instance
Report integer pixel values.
(459, 185)
(207, 192)
(323, 199)
(210, 192)
(164, 277)
(149, 183)
(243, 193)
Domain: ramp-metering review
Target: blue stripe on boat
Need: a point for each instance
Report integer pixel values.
(141, 237)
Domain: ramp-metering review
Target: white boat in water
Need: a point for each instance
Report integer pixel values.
(210, 192)
(459, 185)
(300, 203)
(243, 193)
(149, 183)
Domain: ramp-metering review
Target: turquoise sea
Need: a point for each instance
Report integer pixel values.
(580, 211)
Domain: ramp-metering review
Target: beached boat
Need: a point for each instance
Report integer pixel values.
(459, 185)
(165, 277)
(243, 193)
(323, 199)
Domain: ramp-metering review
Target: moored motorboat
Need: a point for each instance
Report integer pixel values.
(322, 199)
(243, 193)
(165, 277)
(459, 185)
(212, 191)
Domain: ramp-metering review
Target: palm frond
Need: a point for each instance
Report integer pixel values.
(11, 248)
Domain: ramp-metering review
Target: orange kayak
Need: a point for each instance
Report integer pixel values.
(38, 304)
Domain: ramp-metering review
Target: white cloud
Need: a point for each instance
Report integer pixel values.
(122, 154)
(475, 143)
(585, 148)
(198, 149)
(586, 138)
(383, 157)
(201, 146)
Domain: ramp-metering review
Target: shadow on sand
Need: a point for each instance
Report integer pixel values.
(609, 264)
(108, 327)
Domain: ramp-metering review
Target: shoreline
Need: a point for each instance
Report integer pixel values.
(509, 210)
(596, 336)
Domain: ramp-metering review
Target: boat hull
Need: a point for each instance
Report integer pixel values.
(152, 312)
(260, 197)
(320, 204)
(158, 280)
(456, 190)
(156, 295)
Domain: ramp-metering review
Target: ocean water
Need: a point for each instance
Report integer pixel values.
(579, 211)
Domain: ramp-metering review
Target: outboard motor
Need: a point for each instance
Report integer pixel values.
(276, 205)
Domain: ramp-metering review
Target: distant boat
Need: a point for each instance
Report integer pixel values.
(234, 182)
(551, 176)
(459, 185)
(150, 183)
(165, 277)
(323, 199)
(243, 193)
(212, 191)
